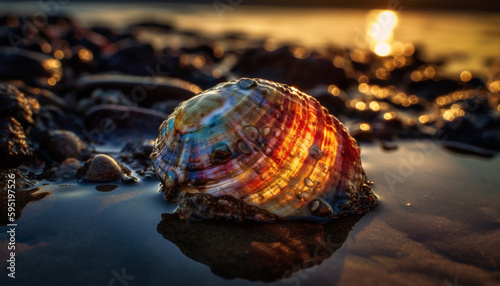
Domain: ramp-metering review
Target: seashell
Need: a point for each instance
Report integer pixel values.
(260, 150)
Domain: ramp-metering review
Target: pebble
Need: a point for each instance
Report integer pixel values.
(102, 168)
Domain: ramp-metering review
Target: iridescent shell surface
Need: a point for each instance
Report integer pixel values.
(260, 150)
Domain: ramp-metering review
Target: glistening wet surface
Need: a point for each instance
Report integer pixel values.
(437, 220)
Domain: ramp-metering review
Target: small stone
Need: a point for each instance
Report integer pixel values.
(102, 168)
(68, 169)
(62, 144)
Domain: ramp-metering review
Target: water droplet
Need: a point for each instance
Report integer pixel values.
(314, 205)
(169, 181)
(277, 133)
(251, 133)
(320, 208)
(305, 195)
(182, 177)
(315, 152)
(243, 147)
(268, 151)
(308, 182)
(223, 202)
(220, 154)
(184, 165)
(266, 131)
(246, 83)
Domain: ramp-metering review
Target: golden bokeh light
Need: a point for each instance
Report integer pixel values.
(374, 106)
(58, 54)
(413, 99)
(51, 81)
(219, 51)
(495, 86)
(270, 45)
(389, 115)
(465, 76)
(363, 88)
(195, 88)
(198, 62)
(217, 73)
(382, 73)
(423, 119)
(452, 113)
(338, 61)
(363, 79)
(51, 64)
(299, 52)
(416, 76)
(429, 72)
(360, 105)
(408, 49)
(364, 126)
(46, 48)
(334, 90)
(85, 55)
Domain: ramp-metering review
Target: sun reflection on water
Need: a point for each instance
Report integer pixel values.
(379, 30)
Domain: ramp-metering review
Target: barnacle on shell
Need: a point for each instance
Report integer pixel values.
(260, 150)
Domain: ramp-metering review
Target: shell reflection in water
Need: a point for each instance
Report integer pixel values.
(256, 251)
(259, 150)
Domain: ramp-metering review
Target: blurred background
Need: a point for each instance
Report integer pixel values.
(457, 34)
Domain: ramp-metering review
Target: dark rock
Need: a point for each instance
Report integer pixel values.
(475, 130)
(63, 144)
(135, 59)
(14, 148)
(14, 104)
(431, 89)
(68, 169)
(282, 66)
(36, 69)
(141, 90)
(335, 102)
(53, 117)
(111, 121)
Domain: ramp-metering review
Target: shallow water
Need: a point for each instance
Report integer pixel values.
(437, 220)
